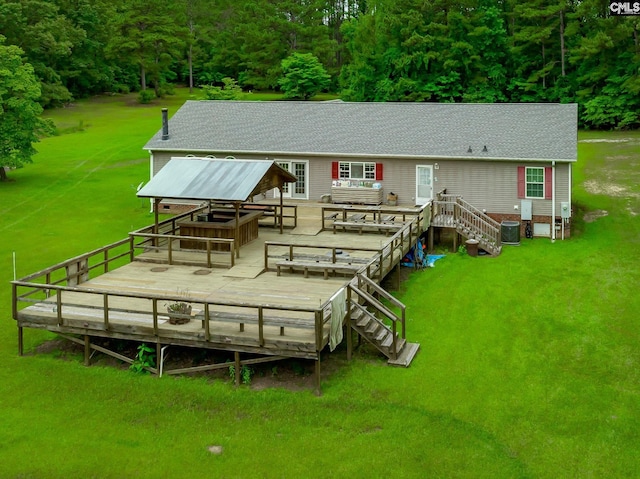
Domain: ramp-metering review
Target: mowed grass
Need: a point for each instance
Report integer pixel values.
(528, 364)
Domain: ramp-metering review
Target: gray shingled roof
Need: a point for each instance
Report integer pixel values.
(211, 179)
(532, 131)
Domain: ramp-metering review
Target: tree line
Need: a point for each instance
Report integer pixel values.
(373, 50)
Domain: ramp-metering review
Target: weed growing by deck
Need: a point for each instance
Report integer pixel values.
(529, 365)
(146, 358)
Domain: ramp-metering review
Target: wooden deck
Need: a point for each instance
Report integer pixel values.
(122, 290)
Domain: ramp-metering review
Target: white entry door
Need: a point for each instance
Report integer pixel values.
(424, 184)
(299, 188)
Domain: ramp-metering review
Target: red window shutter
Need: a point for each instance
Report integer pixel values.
(335, 171)
(378, 171)
(547, 183)
(521, 182)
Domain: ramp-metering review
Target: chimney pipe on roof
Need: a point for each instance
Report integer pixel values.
(165, 124)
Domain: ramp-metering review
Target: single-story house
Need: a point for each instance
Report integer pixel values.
(512, 161)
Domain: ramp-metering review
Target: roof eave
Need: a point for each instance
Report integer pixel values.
(366, 155)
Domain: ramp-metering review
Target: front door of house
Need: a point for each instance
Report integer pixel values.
(424, 184)
(299, 188)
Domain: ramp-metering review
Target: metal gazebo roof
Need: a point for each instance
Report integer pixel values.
(214, 179)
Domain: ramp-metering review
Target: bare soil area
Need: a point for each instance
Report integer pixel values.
(290, 374)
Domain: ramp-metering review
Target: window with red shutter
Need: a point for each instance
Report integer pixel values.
(547, 183)
(535, 182)
(521, 182)
(379, 171)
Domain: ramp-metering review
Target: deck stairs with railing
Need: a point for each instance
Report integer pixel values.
(452, 211)
(377, 323)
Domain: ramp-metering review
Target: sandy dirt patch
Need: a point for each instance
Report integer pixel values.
(591, 216)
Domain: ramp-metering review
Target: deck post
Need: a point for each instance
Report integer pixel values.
(260, 327)
(159, 357)
(20, 341)
(87, 350)
(266, 256)
(349, 331)
(318, 389)
(131, 249)
(430, 240)
(207, 332)
(236, 356)
(154, 305)
(59, 306)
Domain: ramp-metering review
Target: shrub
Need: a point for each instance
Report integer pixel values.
(230, 91)
(146, 96)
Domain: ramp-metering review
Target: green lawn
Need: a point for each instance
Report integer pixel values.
(529, 363)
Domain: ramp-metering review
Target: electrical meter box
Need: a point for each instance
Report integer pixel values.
(525, 210)
(565, 210)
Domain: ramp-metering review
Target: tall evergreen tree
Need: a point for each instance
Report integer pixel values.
(150, 35)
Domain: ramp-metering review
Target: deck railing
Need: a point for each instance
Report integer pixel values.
(152, 306)
(458, 212)
(170, 225)
(80, 268)
(219, 251)
(477, 223)
(63, 280)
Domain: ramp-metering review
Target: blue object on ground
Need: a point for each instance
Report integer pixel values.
(432, 258)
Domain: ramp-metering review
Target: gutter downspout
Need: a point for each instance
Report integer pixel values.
(553, 201)
(570, 173)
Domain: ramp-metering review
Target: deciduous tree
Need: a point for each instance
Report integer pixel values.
(303, 76)
(20, 121)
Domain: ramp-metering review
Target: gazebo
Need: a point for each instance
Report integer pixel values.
(220, 181)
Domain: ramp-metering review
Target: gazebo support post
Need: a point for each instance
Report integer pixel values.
(281, 209)
(237, 235)
(156, 215)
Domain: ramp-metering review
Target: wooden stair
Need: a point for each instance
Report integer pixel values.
(381, 337)
(487, 244)
(452, 211)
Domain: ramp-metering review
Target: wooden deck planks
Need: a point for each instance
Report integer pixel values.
(132, 318)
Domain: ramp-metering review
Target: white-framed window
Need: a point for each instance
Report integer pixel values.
(355, 170)
(534, 182)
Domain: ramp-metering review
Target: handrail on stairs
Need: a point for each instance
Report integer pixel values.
(467, 215)
(363, 279)
(363, 286)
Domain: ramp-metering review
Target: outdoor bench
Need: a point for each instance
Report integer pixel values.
(325, 267)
